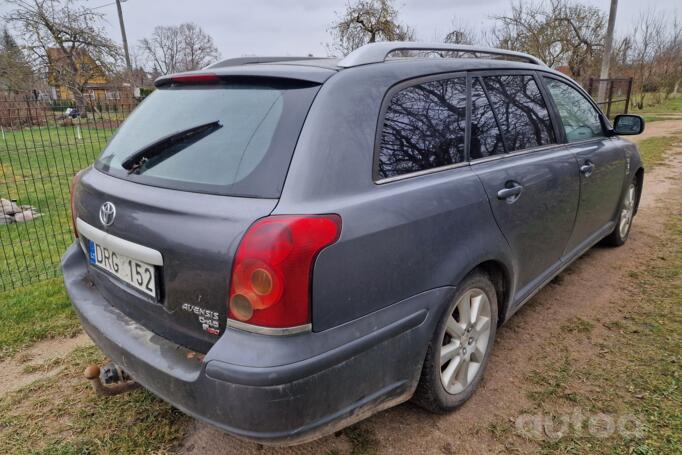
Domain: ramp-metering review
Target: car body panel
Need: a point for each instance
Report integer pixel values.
(539, 223)
(275, 391)
(600, 190)
(170, 222)
(377, 294)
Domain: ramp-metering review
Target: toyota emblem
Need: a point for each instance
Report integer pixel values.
(107, 213)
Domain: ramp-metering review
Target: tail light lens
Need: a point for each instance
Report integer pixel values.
(72, 195)
(270, 284)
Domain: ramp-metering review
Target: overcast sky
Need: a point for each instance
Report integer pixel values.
(299, 27)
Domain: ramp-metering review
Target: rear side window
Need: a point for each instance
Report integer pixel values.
(580, 119)
(247, 134)
(486, 139)
(520, 111)
(423, 128)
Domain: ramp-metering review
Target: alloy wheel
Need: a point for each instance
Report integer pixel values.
(627, 211)
(465, 341)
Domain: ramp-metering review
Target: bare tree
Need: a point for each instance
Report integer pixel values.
(198, 49)
(367, 21)
(656, 57)
(176, 48)
(66, 40)
(162, 49)
(646, 38)
(462, 32)
(669, 60)
(561, 32)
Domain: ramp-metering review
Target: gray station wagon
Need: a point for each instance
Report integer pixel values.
(283, 246)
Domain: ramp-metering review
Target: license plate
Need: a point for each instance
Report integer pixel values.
(138, 274)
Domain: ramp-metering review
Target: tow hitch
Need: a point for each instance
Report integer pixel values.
(109, 380)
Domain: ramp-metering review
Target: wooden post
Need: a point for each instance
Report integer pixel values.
(629, 93)
(608, 44)
(608, 108)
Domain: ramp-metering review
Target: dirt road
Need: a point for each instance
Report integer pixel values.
(592, 289)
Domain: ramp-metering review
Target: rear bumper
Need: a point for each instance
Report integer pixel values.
(274, 390)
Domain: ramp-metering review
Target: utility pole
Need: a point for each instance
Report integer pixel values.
(608, 45)
(123, 35)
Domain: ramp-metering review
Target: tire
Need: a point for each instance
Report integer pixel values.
(431, 393)
(626, 213)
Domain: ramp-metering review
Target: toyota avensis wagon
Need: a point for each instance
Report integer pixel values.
(281, 247)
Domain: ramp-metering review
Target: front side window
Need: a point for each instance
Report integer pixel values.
(423, 128)
(520, 110)
(581, 120)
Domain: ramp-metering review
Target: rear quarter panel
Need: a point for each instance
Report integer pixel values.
(398, 239)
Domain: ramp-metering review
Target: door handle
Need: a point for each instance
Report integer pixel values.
(587, 168)
(511, 193)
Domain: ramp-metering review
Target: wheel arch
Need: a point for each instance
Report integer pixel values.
(639, 179)
(500, 275)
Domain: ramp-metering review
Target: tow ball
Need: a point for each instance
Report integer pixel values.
(109, 380)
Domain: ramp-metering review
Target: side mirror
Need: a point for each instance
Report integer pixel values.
(627, 124)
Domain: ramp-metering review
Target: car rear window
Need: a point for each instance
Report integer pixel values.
(246, 153)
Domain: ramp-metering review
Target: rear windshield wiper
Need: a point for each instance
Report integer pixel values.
(158, 151)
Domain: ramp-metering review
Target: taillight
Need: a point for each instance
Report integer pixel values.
(72, 193)
(272, 269)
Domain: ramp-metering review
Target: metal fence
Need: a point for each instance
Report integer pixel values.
(42, 145)
(612, 95)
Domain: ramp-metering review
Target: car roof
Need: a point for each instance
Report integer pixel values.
(318, 70)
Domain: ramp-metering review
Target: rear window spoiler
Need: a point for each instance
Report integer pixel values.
(262, 73)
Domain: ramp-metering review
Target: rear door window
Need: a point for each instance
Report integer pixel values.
(520, 111)
(423, 128)
(580, 119)
(486, 139)
(245, 150)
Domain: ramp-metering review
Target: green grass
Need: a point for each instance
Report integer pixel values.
(363, 440)
(36, 168)
(577, 325)
(657, 112)
(670, 106)
(653, 149)
(63, 415)
(34, 313)
(648, 118)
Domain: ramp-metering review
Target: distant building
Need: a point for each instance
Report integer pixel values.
(97, 86)
(565, 69)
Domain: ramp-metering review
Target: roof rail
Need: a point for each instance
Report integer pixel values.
(248, 60)
(378, 52)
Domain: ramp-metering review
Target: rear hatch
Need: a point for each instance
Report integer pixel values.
(185, 176)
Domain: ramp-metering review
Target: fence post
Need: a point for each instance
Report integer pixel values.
(627, 98)
(30, 114)
(590, 86)
(608, 108)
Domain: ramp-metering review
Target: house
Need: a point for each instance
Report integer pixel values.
(97, 86)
